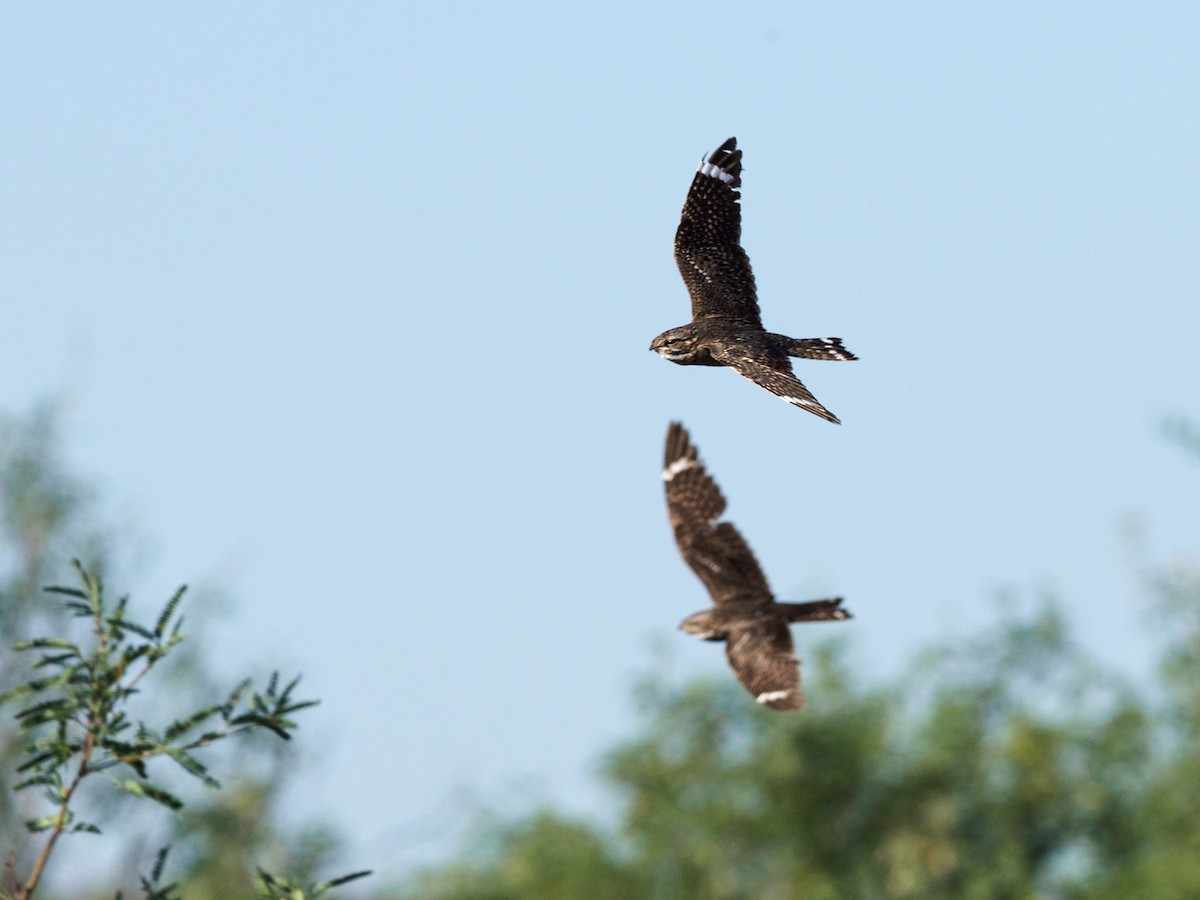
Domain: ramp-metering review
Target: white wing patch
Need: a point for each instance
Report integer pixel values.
(714, 171)
(678, 466)
(768, 696)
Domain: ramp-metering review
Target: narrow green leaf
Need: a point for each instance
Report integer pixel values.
(169, 610)
(235, 697)
(124, 750)
(35, 761)
(194, 767)
(57, 660)
(353, 876)
(152, 891)
(130, 786)
(69, 591)
(295, 707)
(151, 792)
(43, 823)
(290, 687)
(276, 729)
(159, 862)
(48, 711)
(134, 627)
(22, 690)
(54, 643)
(133, 654)
(182, 726)
(34, 686)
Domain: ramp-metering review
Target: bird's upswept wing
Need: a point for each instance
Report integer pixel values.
(716, 552)
(763, 659)
(708, 248)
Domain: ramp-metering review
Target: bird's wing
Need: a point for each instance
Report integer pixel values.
(708, 251)
(829, 610)
(776, 377)
(716, 552)
(764, 660)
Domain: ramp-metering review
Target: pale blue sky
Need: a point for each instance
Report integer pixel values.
(352, 305)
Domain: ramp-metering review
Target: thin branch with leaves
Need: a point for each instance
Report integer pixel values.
(76, 722)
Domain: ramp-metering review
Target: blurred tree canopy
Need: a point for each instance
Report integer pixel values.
(46, 517)
(1011, 766)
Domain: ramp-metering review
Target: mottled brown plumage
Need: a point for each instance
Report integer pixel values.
(726, 327)
(745, 614)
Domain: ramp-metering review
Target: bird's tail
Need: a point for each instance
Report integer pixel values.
(818, 348)
(816, 611)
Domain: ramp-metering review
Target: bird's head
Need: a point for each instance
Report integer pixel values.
(700, 625)
(676, 344)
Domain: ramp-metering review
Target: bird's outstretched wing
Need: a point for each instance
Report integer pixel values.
(818, 348)
(763, 659)
(708, 251)
(715, 551)
(829, 610)
(777, 378)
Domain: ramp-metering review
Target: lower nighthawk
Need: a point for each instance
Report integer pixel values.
(726, 327)
(745, 614)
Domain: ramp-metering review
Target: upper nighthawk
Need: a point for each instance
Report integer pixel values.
(726, 327)
(745, 614)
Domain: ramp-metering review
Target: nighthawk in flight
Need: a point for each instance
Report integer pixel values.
(726, 327)
(745, 614)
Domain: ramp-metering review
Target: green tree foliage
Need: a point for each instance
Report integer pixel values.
(1012, 765)
(48, 515)
(222, 843)
(1009, 767)
(78, 726)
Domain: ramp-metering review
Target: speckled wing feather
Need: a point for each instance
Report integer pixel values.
(828, 610)
(708, 248)
(764, 661)
(716, 552)
(778, 379)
